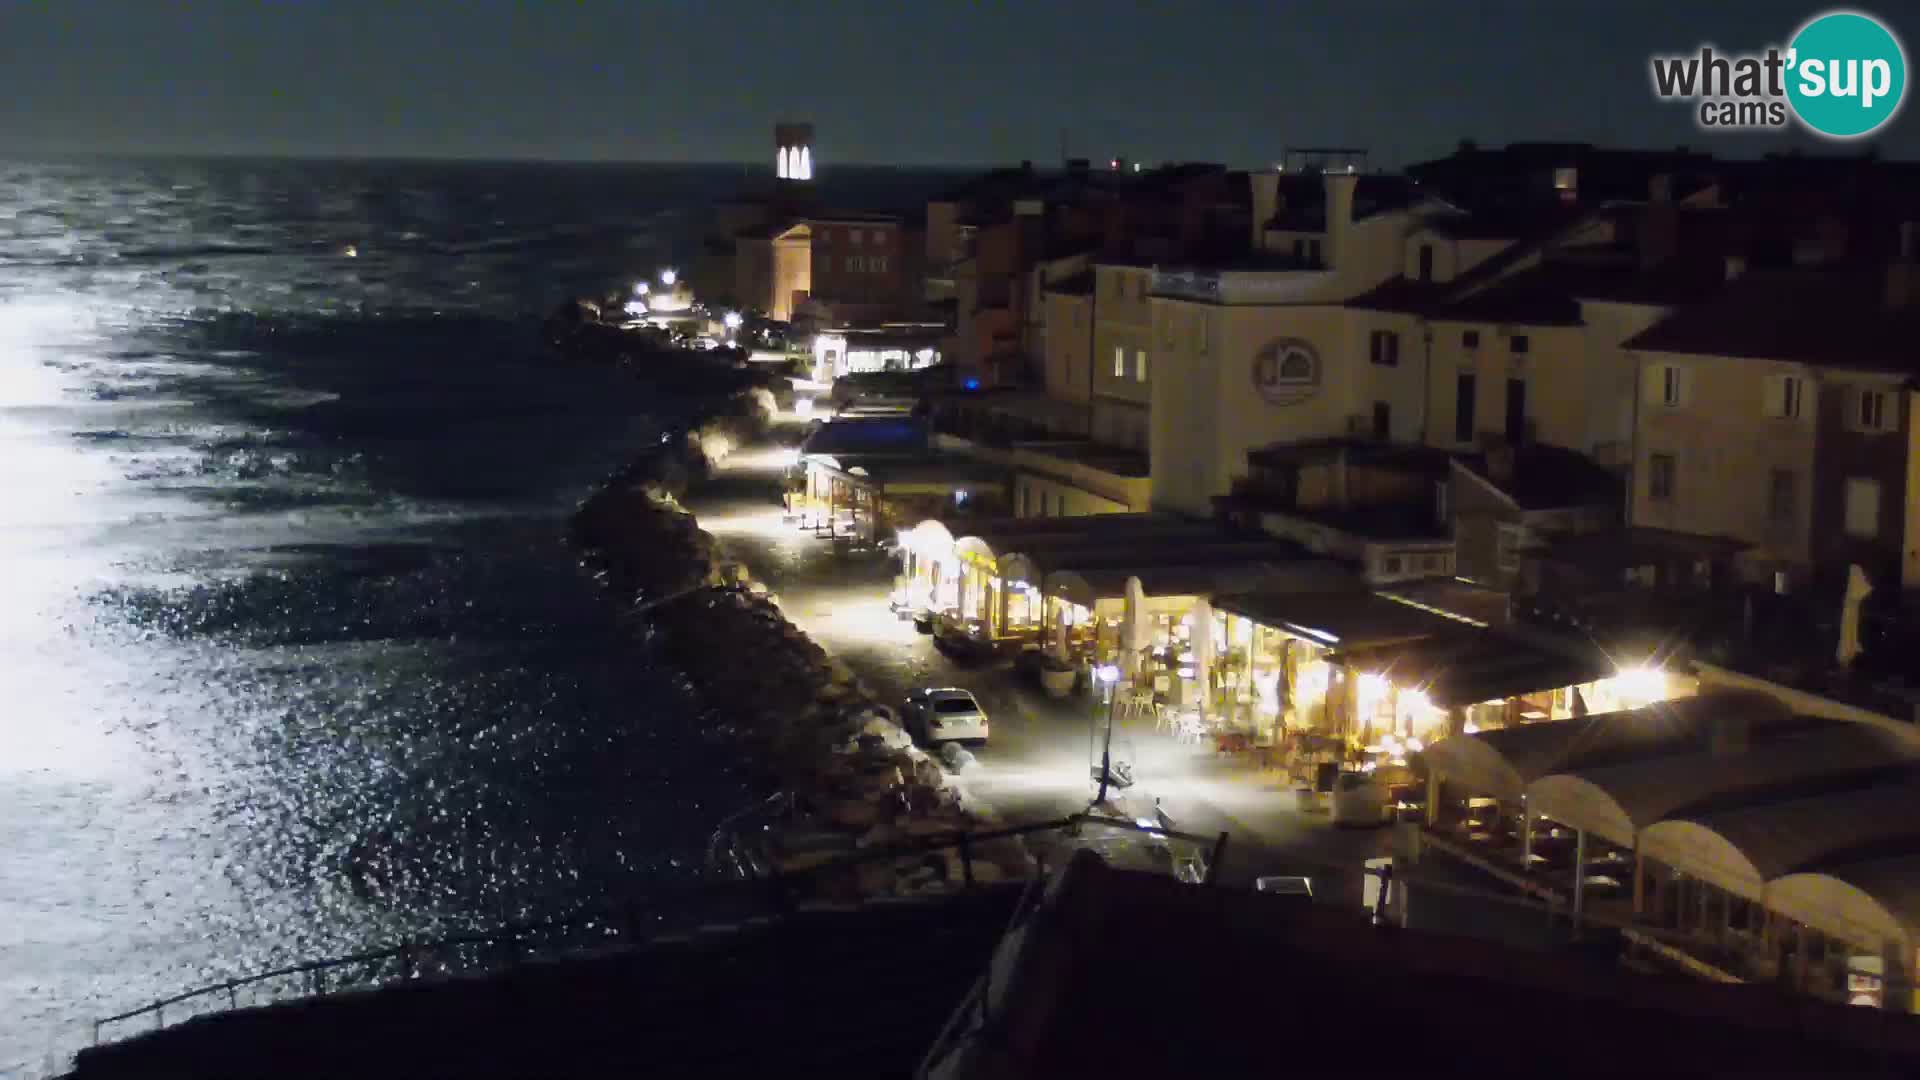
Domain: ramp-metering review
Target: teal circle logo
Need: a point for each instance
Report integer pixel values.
(1847, 74)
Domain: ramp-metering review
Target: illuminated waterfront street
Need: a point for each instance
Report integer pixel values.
(1036, 765)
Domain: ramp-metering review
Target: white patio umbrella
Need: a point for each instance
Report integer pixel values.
(1858, 589)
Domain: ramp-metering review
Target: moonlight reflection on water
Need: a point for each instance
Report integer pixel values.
(293, 660)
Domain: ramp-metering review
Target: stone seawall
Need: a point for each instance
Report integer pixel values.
(849, 776)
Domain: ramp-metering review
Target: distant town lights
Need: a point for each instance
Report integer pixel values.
(640, 288)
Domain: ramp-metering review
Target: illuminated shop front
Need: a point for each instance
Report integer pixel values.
(840, 353)
(872, 496)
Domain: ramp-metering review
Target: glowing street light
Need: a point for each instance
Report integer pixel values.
(732, 320)
(1107, 675)
(668, 277)
(640, 288)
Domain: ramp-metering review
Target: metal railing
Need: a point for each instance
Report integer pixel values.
(777, 894)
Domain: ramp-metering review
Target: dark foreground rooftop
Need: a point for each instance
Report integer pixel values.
(847, 993)
(1116, 974)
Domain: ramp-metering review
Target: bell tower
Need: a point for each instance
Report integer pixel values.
(793, 152)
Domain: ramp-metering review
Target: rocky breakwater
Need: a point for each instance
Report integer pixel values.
(849, 778)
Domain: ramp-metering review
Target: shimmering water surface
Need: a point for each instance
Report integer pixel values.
(293, 661)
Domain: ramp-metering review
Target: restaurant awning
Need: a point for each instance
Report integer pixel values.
(1464, 665)
(1337, 616)
(1088, 586)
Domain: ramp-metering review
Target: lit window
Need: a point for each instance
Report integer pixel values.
(1140, 365)
(1660, 476)
(1119, 362)
(1863, 507)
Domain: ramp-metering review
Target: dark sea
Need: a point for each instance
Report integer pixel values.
(293, 659)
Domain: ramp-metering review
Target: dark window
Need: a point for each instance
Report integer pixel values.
(1386, 348)
(954, 705)
(1300, 248)
(1516, 411)
(1426, 262)
(1391, 564)
(1780, 495)
(1470, 339)
(1464, 389)
(1382, 420)
(1518, 343)
(1660, 476)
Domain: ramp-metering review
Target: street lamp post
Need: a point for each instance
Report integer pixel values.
(1107, 675)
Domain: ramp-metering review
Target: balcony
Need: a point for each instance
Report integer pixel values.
(1285, 282)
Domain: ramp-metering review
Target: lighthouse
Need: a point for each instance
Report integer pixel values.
(793, 152)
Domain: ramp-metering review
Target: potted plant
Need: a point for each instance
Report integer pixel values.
(1056, 676)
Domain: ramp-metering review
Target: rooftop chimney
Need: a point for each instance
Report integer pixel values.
(1266, 203)
(1340, 188)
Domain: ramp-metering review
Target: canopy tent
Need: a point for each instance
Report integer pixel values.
(1617, 802)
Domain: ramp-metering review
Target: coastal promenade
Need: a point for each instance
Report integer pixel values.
(1036, 766)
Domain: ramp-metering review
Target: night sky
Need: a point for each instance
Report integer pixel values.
(904, 81)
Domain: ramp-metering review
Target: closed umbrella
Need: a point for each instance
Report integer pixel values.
(1133, 624)
(1203, 654)
(1858, 589)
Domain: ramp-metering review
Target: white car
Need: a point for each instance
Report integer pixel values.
(945, 715)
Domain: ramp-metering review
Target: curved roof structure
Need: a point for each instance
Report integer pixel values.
(929, 539)
(1742, 849)
(1616, 802)
(1863, 902)
(1504, 763)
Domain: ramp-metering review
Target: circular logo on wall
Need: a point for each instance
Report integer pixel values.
(1286, 372)
(1847, 74)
